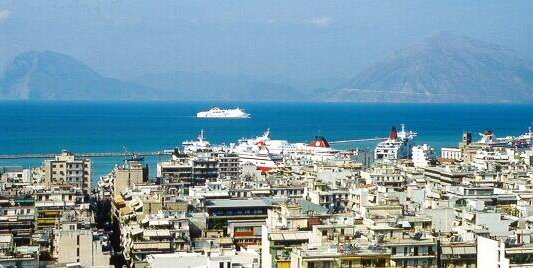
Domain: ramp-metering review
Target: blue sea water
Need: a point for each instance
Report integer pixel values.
(49, 127)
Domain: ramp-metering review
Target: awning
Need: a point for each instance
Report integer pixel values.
(405, 224)
(447, 250)
(136, 231)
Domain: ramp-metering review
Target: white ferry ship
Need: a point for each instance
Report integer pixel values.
(489, 138)
(318, 149)
(397, 146)
(527, 138)
(200, 145)
(264, 153)
(278, 147)
(261, 158)
(216, 112)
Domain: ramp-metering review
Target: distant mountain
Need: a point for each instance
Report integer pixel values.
(54, 76)
(209, 86)
(443, 68)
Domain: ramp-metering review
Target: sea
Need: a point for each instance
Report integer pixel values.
(49, 127)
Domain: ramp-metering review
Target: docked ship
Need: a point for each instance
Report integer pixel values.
(274, 146)
(489, 138)
(261, 158)
(216, 112)
(318, 149)
(264, 153)
(525, 139)
(397, 146)
(199, 145)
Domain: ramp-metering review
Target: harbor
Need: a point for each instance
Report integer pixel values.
(260, 196)
(261, 134)
(86, 155)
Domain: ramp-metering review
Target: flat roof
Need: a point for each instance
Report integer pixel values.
(157, 233)
(459, 250)
(289, 236)
(6, 238)
(231, 203)
(308, 206)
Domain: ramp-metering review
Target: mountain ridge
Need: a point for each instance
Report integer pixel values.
(443, 68)
(48, 75)
(217, 87)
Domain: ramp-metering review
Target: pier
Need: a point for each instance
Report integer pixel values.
(85, 155)
(358, 140)
(128, 154)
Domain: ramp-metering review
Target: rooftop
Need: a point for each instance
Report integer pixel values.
(233, 203)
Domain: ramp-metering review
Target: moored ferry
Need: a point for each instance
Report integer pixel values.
(397, 146)
(264, 153)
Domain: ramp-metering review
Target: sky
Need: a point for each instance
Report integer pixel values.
(297, 40)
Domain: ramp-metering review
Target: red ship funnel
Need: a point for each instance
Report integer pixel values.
(393, 133)
(319, 141)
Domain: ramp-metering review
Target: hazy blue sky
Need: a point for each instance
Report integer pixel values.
(300, 40)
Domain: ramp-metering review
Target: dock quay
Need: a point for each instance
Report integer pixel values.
(128, 154)
(85, 155)
(358, 140)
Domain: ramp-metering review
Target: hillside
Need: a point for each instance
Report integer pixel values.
(53, 76)
(443, 68)
(209, 86)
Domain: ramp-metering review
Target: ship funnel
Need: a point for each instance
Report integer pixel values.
(393, 133)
